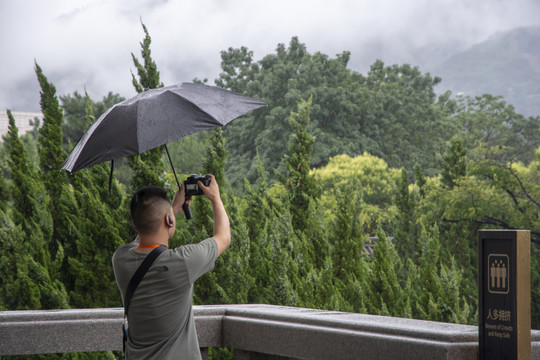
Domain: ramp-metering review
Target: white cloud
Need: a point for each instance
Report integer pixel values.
(89, 43)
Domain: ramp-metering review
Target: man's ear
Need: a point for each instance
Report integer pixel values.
(170, 220)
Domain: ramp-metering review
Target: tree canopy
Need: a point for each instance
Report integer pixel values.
(348, 192)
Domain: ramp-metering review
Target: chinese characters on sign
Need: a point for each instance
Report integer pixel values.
(496, 328)
(502, 315)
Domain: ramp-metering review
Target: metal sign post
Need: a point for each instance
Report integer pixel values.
(504, 291)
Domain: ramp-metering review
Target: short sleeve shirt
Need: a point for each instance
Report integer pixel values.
(161, 321)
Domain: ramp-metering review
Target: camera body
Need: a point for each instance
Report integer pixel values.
(192, 186)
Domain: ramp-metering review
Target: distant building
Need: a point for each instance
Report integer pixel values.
(22, 120)
(369, 245)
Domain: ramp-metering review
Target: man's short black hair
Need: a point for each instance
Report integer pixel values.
(146, 208)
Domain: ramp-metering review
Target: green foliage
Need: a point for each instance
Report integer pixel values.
(488, 122)
(406, 228)
(372, 177)
(17, 289)
(392, 113)
(188, 153)
(51, 153)
(301, 241)
(94, 237)
(30, 213)
(51, 157)
(3, 191)
(300, 185)
(348, 237)
(148, 73)
(148, 167)
(282, 80)
(454, 165)
(408, 124)
(420, 180)
(237, 68)
(385, 295)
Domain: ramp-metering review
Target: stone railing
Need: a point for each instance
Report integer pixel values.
(254, 332)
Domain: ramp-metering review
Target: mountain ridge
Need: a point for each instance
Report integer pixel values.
(506, 64)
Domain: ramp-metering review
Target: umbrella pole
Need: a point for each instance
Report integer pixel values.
(111, 175)
(185, 206)
(172, 166)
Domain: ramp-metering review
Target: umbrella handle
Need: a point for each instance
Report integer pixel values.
(187, 211)
(172, 166)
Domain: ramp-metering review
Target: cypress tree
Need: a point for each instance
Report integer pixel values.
(148, 167)
(301, 195)
(454, 164)
(97, 235)
(273, 247)
(430, 290)
(213, 163)
(51, 153)
(385, 295)
(3, 191)
(257, 209)
(420, 180)
(30, 212)
(435, 286)
(148, 73)
(230, 282)
(347, 238)
(19, 290)
(257, 214)
(301, 186)
(51, 157)
(406, 233)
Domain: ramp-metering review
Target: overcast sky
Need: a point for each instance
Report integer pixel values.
(88, 43)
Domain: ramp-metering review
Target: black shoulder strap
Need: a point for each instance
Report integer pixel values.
(139, 274)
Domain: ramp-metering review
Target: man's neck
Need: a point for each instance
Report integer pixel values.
(150, 242)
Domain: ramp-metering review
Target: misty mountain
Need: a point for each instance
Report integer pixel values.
(506, 64)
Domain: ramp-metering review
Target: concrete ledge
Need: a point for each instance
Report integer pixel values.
(313, 334)
(52, 331)
(253, 331)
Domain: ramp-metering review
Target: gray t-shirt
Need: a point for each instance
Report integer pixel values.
(161, 321)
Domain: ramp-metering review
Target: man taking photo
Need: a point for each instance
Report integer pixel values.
(161, 321)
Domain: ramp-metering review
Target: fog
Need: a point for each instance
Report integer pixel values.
(87, 44)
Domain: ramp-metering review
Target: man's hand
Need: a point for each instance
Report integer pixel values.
(222, 230)
(211, 191)
(179, 200)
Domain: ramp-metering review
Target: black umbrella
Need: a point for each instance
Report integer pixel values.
(156, 117)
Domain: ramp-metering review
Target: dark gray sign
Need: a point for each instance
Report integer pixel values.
(501, 291)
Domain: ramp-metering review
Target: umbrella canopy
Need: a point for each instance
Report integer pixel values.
(156, 117)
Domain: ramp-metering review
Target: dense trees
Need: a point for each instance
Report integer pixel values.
(336, 162)
(392, 113)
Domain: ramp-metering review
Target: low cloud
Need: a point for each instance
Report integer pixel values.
(88, 44)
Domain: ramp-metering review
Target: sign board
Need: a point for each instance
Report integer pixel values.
(504, 290)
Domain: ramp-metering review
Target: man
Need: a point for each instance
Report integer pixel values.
(161, 321)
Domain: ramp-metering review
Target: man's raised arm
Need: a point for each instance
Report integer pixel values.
(222, 229)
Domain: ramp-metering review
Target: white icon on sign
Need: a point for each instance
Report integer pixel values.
(498, 274)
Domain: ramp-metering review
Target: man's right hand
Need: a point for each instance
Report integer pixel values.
(180, 199)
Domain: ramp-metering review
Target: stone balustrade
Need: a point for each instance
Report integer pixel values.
(254, 332)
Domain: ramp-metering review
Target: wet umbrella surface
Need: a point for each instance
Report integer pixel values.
(156, 117)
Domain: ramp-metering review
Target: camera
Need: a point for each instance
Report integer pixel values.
(192, 186)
